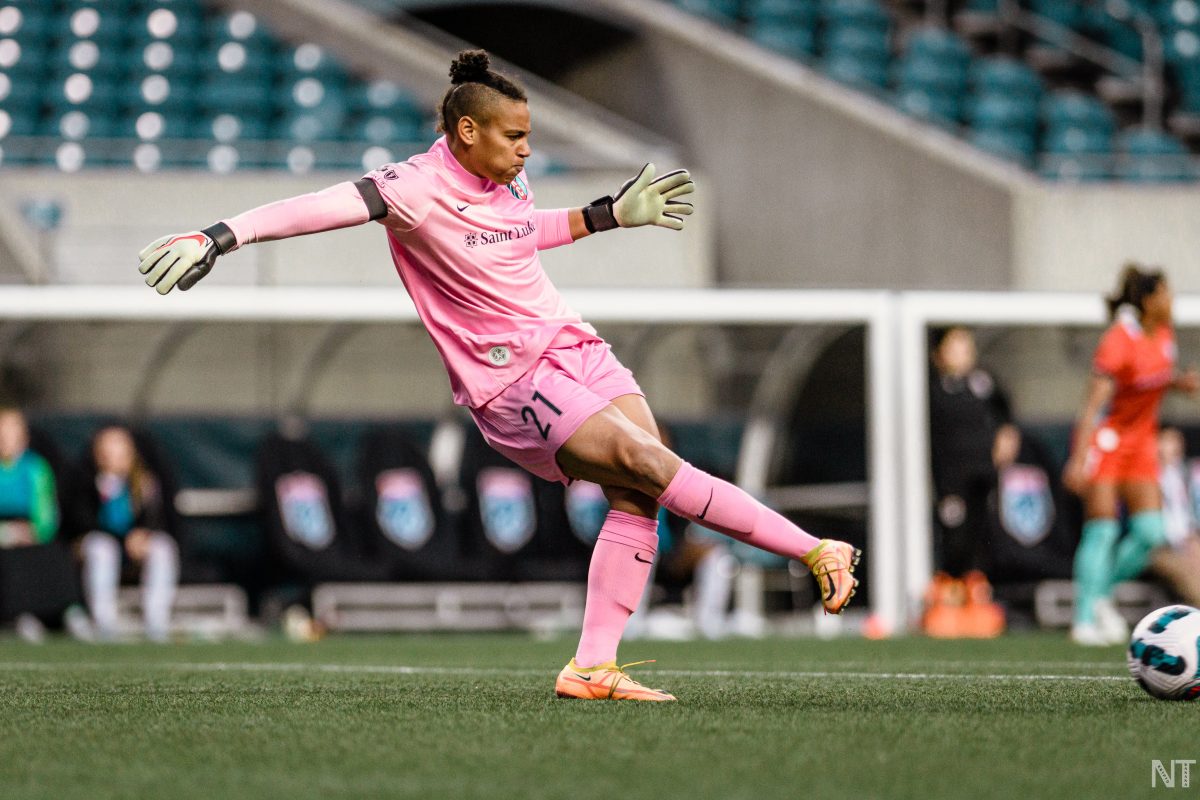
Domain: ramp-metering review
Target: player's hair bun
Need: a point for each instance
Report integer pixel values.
(470, 66)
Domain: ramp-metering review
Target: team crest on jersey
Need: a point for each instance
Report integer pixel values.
(304, 508)
(1026, 504)
(403, 511)
(506, 508)
(518, 188)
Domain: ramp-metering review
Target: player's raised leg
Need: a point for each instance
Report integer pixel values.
(609, 449)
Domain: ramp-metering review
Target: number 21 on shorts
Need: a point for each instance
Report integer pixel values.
(529, 414)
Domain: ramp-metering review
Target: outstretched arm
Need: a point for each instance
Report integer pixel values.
(183, 259)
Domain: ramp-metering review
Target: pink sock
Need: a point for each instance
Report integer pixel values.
(695, 495)
(616, 579)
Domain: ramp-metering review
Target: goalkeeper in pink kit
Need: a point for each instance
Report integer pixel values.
(544, 389)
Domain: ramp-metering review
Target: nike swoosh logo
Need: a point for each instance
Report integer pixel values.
(463, 207)
(706, 505)
(638, 557)
(832, 586)
(199, 238)
(587, 678)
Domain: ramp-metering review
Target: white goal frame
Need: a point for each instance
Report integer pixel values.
(916, 313)
(875, 310)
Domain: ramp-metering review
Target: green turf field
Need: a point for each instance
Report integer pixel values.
(467, 717)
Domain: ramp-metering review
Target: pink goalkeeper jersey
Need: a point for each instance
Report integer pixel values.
(467, 251)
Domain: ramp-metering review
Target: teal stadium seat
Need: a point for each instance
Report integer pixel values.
(931, 76)
(1068, 13)
(867, 75)
(28, 24)
(67, 90)
(86, 22)
(1077, 141)
(20, 94)
(385, 129)
(239, 27)
(162, 57)
(252, 61)
(153, 126)
(796, 41)
(1068, 109)
(717, 9)
(938, 44)
(28, 59)
(786, 26)
(790, 11)
(856, 14)
(936, 107)
(1008, 144)
(14, 124)
(856, 42)
(1003, 112)
(91, 59)
(76, 124)
(1006, 76)
(155, 91)
(1153, 156)
(219, 94)
(384, 97)
(1079, 168)
(309, 60)
(866, 43)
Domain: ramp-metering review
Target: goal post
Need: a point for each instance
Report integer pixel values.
(917, 312)
(875, 311)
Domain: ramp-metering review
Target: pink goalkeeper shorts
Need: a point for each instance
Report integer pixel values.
(531, 419)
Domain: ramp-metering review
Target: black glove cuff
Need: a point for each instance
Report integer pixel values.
(222, 236)
(598, 215)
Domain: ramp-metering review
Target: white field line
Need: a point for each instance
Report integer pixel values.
(353, 669)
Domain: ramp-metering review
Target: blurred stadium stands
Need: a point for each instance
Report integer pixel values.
(177, 85)
(978, 74)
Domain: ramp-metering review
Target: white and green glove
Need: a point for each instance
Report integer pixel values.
(643, 200)
(182, 259)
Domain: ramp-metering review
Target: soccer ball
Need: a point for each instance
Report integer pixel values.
(1164, 653)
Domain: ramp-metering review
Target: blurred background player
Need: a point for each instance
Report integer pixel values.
(542, 387)
(122, 511)
(28, 501)
(1178, 561)
(972, 438)
(1114, 454)
(37, 578)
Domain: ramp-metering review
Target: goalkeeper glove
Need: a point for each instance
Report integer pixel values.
(184, 258)
(643, 200)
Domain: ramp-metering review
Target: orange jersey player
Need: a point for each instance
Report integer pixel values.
(1114, 458)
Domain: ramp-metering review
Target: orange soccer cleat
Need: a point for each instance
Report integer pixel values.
(832, 564)
(604, 681)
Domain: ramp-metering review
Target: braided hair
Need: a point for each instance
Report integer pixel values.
(474, 89)
(1136, 284)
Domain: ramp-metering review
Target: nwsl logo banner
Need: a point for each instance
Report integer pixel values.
(403, 511)
(304, 507)
(1026, 504)
(586, 509)
(506, 508)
